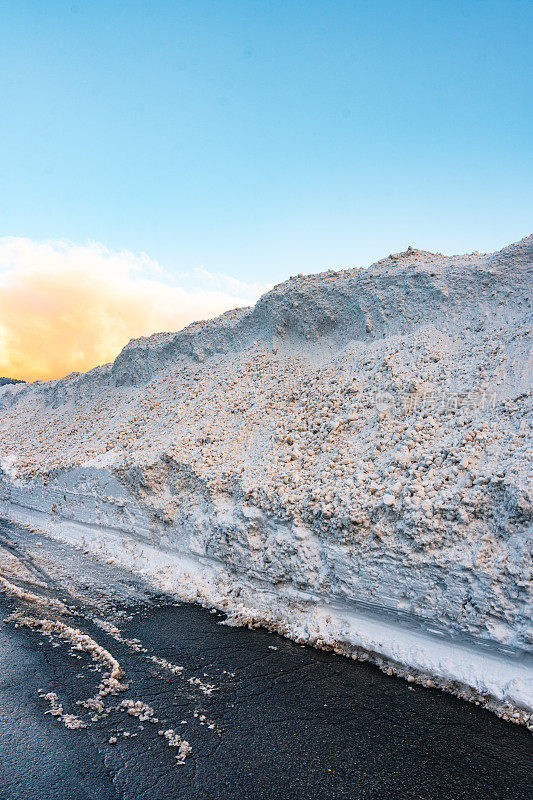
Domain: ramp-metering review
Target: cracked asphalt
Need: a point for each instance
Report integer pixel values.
(265, 717)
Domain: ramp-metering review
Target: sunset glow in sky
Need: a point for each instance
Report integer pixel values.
(66, 308)
(163, 161)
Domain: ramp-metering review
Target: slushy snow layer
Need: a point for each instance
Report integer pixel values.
(347, 462)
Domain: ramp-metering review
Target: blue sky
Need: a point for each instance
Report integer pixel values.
(262, 139)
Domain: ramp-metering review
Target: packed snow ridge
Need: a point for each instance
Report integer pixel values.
(347, 462)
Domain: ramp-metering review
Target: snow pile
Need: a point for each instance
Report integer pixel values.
(347, 462)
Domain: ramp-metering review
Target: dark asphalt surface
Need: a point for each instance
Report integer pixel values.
(283, 721)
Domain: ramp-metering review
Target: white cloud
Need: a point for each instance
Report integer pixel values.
(66, 307)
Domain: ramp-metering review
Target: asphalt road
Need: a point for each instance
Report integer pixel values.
(264, 717)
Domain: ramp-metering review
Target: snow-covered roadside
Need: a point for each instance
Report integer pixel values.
(357, 442)
(498, 678)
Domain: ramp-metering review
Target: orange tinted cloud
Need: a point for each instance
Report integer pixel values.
(67, 307)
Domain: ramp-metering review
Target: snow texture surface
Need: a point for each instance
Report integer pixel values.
(347, 462)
